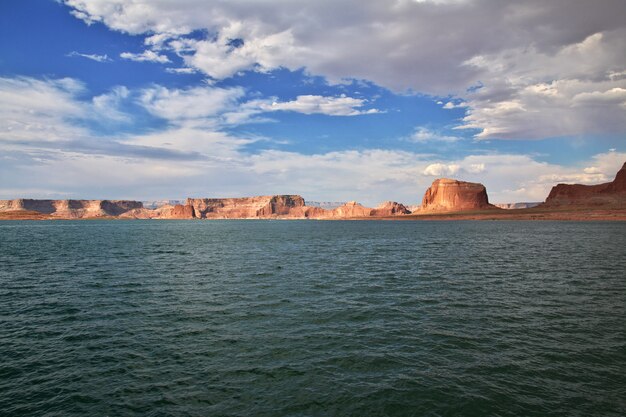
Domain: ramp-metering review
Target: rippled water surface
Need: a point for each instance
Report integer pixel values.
(307, 318)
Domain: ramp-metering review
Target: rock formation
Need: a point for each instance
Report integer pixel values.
(446, 195)
(390, 208)
(177, 211)
(72, 209)
(246, 207)
(350, 210)
(609, 193)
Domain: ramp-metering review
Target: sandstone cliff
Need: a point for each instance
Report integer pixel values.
(246, 207)
(390, 208)
(607, 194)
(177, 211)
(350, 210)
(72, 209)
(446, 195)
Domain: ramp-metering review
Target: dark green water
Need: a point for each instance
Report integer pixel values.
(306, 318)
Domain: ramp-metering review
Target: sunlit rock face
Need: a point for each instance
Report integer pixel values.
(607, 194)
(390, 208)
(446, 195)
(72, 209)
(246, 207)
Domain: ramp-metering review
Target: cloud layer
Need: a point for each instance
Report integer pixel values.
(546, 69)
(48, 142)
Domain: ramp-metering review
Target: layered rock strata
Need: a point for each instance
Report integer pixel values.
(390, 208)
(247, 207)
(261, 207)
(72, 209)
(445, 195)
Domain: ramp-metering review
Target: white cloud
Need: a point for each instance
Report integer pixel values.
(536, 94)
(551, 53)
(146, 56)
(107, 105)
(199, 104)
(441, 170)
(39, 110)
(423, 135)
(93, 57)
(193, 155)
(184, 70)
(451, 105)
(314, 104)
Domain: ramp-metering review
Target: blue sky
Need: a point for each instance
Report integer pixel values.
(336, 101)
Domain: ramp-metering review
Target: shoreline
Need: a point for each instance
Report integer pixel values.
(530, 214)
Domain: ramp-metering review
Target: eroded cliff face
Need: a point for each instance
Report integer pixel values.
(445, 195)
(177, 211)
(390, 208)
(72, 209)
(245, 207)
(607, 194)
(350, 210)
(262, 207)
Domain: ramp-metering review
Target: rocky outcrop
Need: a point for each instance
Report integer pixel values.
(177, 211)
(607, 194)
(246, 207)
(72, 209)
(445, 195)
(351, 209)
(181, 212)
(390, 208)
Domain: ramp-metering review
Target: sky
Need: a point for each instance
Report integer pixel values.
(365, 100)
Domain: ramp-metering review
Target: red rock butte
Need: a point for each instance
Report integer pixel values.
(608, 194)
(446, 195)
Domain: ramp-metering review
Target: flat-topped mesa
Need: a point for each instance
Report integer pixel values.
(608, 193)
(72, 209)
(247, 207)
(446, 195)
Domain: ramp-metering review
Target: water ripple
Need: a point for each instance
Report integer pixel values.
(298, 318)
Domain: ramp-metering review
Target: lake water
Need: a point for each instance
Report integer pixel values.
(309, 318)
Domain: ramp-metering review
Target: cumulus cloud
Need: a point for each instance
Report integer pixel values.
(441, 170)
(93, 57)
(199, 104)
(146, 56)
(532, 58)
(209, 105)
(534, 94)
(314, 104)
